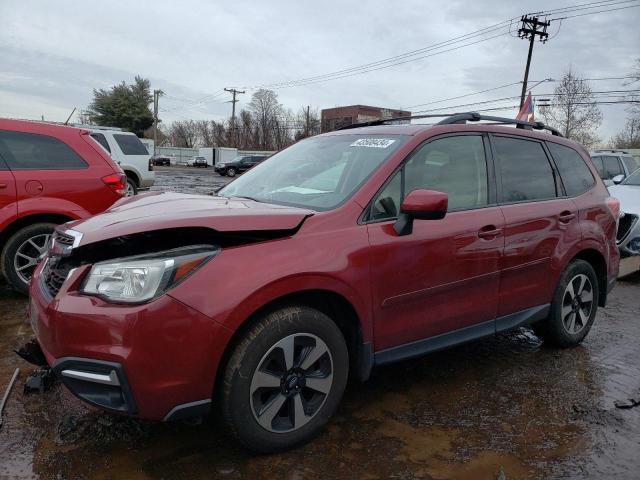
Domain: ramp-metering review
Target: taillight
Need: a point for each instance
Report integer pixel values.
(614, 206)
(151, 165)
(116, 182)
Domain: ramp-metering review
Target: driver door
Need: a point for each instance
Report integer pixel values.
(443, 277)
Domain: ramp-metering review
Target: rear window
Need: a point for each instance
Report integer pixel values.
(612, 167)
(130, 144)
(525, 170)
(29, 151)
(98, 137)
(575, 174)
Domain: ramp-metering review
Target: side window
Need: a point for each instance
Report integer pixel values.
(611, 166)
(98, 137)
(130, 144)
(454, 165)
(631, 163)
(597, 162)
(575, 174)
(28, 151)
(524, 169)
(387, 203)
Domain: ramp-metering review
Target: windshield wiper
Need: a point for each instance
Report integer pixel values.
(246, 198)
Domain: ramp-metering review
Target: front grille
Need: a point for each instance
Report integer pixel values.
(54, 277)
(626, 224)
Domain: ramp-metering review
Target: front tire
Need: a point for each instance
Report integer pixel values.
(22, 252)
(574, 307)
(284, 379)
(231, 172)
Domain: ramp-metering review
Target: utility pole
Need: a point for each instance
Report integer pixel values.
(307, 128)
(529, 30)
(156, 98)
(234, 92)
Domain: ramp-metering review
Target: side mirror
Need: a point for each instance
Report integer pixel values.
(420, 205)
(617, 179)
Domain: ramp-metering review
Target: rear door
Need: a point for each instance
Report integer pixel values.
(443, 277)
(44, 167)
(8, 205)
(541, 223)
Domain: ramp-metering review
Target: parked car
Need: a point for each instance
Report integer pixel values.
(611, 163)
(129, 152)
(49, 174)
(200, 162)
(398, 241)
(239, 164)
(162, 160)
(628, 192)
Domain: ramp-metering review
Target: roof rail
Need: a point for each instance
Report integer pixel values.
(461, 118)
(610, 150)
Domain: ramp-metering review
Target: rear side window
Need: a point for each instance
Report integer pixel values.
(98, 137)
(630, 163)
(29, 151)
(525, 170)
(597, 162)
(130, 144)
(575, 174)
(611, 166)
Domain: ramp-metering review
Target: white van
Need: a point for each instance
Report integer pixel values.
(129, 152)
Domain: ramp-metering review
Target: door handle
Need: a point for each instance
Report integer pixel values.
(566, 217)
(489, 232)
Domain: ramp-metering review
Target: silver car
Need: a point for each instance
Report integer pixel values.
(628, 192)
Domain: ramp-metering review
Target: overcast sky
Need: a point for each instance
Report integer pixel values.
(53, 54)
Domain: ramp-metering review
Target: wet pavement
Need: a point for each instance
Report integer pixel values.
(184, 179)
(502, 408)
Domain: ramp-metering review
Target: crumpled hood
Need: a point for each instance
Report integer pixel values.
(162, 210)
(629, 196)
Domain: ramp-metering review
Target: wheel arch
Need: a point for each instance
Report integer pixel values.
(27, 220)
(599, 264)
(133, 175)
(336, 306)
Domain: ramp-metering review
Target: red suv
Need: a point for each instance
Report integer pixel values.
(342, 252)
(49, 174)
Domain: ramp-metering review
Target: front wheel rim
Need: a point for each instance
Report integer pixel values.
(577, 304)
(28, 255)
(291, 383)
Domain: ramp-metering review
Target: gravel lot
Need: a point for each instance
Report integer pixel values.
(505, 407)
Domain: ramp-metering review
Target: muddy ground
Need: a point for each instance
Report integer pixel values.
(502, 408)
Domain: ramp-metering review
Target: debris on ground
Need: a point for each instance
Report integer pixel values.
(32, 353)
(39, 381)
(98, 427)
(5, 397)
(628, 403)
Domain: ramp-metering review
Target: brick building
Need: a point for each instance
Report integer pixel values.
(333, 118)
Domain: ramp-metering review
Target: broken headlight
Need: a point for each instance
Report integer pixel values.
(143, 277)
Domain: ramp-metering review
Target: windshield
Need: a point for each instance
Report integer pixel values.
(633, 179)
(318, 173)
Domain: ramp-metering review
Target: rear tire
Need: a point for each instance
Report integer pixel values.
(573, 308)
(231, 172)
(272, 400)
(131, 188)
(21, 253)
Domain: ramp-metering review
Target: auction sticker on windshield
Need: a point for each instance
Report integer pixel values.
(372, 142)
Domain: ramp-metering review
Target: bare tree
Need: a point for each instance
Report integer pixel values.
(184, 134)
(266, 110)
(307, 123)
(629, 137)
(573, 110)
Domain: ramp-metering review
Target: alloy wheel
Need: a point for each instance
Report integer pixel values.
(291, 383)
(577, 304)
(28, 255)
(129, 190)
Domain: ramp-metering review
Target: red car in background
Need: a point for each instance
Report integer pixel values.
(49, 174)
(345, 251)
